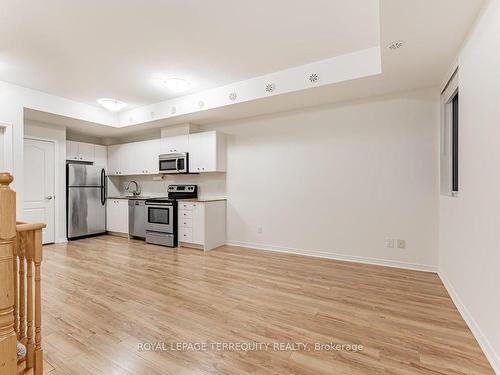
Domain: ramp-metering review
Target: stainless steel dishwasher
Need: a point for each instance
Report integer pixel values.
(136, 218)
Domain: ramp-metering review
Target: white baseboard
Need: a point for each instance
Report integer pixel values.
(343, 257)
(483, 341)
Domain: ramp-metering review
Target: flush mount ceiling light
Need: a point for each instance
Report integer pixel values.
(177, 84)
(397, 44)
(112, 104)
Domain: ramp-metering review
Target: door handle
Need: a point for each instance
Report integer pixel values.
(49, 197)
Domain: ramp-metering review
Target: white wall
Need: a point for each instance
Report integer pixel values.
(57, 134)
(6, 147)
(2, 149)
(469, 258)
(13, 100)
(336, 181)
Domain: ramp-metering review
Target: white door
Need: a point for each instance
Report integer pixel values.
(39, 179)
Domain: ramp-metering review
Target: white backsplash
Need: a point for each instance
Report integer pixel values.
(210, 185)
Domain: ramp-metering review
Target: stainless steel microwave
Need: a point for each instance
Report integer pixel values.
(174, 163)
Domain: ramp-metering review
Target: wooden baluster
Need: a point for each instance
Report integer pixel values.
(37, 248)
(30, 344)
(8, 359)
(16, 290)
(21, 250)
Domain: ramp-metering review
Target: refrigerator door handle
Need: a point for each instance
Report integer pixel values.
(103, 187)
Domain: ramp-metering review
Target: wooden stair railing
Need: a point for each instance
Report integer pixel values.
(20, 287)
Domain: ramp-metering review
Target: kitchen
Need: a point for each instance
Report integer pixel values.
(152, 190)
(312, 178)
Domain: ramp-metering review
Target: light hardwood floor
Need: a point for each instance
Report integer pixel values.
(103, 296)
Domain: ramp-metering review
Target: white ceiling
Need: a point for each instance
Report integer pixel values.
(433, 30)
(84, 50)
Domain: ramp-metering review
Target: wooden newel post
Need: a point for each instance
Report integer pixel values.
(8, 359)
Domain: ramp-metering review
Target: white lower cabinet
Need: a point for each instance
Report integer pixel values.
(202, 224)
(117, 215)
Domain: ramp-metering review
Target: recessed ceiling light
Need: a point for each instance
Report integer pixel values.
(112, 104)
(397, 44)
(177, 84)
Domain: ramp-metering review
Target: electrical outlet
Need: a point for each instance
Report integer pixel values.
(401, 244)
(259, 230)
(389, 242)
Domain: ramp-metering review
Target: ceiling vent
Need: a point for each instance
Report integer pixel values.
(270, 87)
(313, 78)
(397, 44)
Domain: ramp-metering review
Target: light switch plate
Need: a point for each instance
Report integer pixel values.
(401, 244)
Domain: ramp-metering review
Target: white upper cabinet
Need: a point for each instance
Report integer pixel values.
(101, 156)
(86, 151)
(79, 151)
(116, 160)
(176, 144)
(207, 152)
(134, 158)
(72, 150)
(143, 157)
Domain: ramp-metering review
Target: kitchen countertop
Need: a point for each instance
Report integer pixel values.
(141, 197)
(201, 200)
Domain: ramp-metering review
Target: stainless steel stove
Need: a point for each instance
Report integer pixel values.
(161, 215)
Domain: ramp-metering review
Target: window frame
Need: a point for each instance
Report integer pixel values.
(449, 142)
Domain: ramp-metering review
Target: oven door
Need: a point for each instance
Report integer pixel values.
(160, 218)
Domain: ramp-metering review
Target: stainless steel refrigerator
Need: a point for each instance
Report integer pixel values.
(86, 200)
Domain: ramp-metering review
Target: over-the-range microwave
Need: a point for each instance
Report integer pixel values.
(174, 163)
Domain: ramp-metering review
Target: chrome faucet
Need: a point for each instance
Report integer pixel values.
(137, 190)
